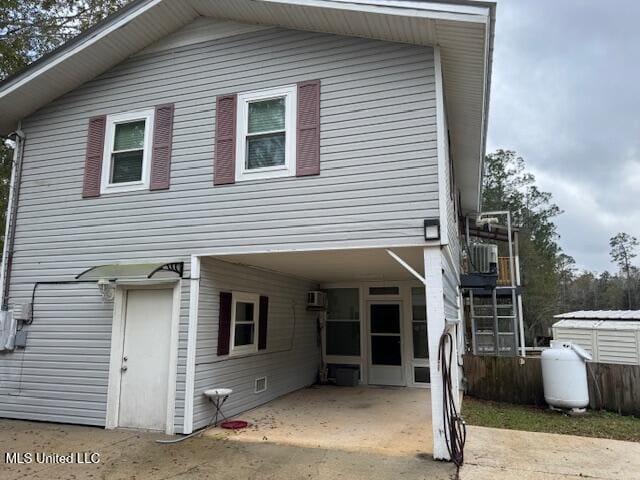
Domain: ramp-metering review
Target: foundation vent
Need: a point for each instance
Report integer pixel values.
(260, 385)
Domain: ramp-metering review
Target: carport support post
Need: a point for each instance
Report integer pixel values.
(434, 292)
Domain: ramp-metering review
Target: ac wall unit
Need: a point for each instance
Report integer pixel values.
(316, 299)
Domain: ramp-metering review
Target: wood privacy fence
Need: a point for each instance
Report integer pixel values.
(613, 387)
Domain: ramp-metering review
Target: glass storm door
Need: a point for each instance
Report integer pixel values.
(385, 344)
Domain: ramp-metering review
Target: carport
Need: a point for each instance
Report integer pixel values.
(378, 322)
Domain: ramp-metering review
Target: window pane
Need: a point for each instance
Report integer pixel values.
(266, 115)
(129, 135)
(418, 304)
(244, 312)
(343, 338)
(420, 346)
(343, 304)
(421, 375)
(126, 167)
(243, 335)
(265, 151)
(385, 319)
(385, 350)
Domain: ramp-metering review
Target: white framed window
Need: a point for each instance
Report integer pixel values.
(127, 151)
(266, 134)
(244, 322)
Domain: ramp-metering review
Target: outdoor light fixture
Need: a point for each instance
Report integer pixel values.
(107, 289)
(432, 229)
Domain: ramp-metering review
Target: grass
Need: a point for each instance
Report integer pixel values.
(533, 419)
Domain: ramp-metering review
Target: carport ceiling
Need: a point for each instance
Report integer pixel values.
(329, 266)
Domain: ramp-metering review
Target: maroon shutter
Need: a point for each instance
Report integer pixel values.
(225, 142)
(93, 159)
(263, 317)
(224, 323)
(308, 126)
(161, 153)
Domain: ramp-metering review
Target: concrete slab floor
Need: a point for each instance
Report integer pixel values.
(496, 454)
(384, 420)
(230, 456)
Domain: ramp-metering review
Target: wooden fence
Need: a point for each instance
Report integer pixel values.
(613, 387)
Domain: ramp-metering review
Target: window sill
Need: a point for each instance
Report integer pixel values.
(125, 187)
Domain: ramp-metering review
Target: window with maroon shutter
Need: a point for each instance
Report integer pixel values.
(161, 154)
(225, 140)
(263, 318)
(224, 323)
(308, 129)
(93, 158)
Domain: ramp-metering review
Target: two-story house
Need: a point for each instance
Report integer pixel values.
(185, 172)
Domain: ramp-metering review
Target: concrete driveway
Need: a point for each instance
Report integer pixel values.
(496, 454)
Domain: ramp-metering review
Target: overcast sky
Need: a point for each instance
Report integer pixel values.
(566, 96)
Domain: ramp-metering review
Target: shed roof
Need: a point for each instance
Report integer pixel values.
(601, 315)
(599, 324)
(463, 29)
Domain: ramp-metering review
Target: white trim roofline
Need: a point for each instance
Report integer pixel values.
(423, 9)
(60, 55)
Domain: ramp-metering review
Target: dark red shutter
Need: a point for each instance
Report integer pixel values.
(224, 323)
(225, 142)
(93, 158)
(308, 126)
(263, 317)
(161, 152)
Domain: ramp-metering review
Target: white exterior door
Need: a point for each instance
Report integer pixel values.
(385, 344)
(145, 359)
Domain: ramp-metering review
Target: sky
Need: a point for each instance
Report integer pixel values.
(565, 95)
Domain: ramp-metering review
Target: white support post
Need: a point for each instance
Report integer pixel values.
(435, 326)
(194, 297)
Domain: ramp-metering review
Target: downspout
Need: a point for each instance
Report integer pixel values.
(12, 211)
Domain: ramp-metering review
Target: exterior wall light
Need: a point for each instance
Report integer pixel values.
(107, 289)
(432, 229)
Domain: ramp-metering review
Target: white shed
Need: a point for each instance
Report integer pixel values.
(610, 336)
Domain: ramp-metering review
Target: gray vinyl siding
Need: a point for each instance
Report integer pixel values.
(288, 365)
(378, 180)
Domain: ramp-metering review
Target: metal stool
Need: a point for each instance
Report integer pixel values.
(217, 396)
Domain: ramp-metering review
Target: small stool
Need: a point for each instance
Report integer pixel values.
(217, 396)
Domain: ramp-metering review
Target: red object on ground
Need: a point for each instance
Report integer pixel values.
(234, 424)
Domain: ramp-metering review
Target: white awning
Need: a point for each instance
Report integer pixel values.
(133, 271)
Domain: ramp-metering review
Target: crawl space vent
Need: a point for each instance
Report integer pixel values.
(261, 385)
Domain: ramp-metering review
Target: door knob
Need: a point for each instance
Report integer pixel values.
(123, 368)
(125, 358)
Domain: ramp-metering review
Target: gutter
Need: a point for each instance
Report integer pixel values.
(12, 211)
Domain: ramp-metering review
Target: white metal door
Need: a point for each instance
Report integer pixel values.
(145, 359)
(385, 344)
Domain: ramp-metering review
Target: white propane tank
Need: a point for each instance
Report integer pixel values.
(564, 375)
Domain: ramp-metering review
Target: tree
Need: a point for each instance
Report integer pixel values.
(623, 248)
(566, 266)
(28, 30)
(508, 186)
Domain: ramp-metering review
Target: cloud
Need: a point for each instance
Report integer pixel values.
(565, 97)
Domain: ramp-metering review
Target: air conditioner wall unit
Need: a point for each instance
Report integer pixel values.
(316, 299)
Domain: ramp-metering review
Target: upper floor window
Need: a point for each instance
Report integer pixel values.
(127, 151)
(266, 137)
